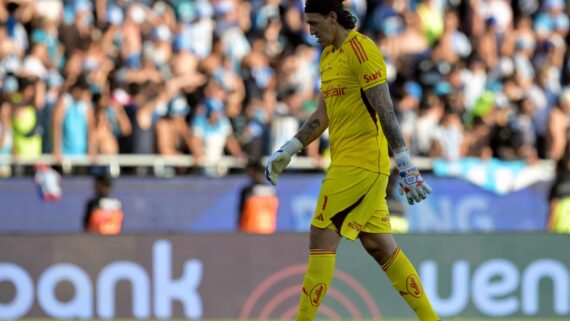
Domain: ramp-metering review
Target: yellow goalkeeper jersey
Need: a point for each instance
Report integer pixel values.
(355, 133)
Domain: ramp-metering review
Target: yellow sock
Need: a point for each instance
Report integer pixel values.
(406, 281)
(316, 283)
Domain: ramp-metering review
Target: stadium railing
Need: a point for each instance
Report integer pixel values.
(158, 163)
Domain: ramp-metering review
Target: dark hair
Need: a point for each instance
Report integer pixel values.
(81, 83)
(12, 7)
(324, 7)
(255, 164)
(25, 81)
(104, 178)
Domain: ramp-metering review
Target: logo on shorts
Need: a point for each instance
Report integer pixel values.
(320, 217)
(325, 201)
(317, 294)
(355, 225)
(413, 286)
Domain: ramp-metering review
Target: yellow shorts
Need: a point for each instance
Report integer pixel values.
(353, 200)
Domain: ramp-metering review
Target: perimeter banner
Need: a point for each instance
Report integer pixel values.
(259, 277)
(197, 204)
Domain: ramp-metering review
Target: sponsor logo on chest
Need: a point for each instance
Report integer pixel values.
(333, 91)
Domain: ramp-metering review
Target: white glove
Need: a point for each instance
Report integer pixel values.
(410, 180)
(280, 159)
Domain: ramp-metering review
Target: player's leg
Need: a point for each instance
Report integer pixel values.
(322, 254)
(341, 193)
(400, 271)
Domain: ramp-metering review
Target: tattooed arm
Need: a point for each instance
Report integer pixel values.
(379, 98)
(315, 125)
(311, 130)
(410, 180)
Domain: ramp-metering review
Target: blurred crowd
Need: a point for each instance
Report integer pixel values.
(481, 78)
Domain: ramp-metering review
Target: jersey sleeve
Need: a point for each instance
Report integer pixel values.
(367, 62)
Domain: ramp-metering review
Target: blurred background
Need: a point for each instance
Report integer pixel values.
(151, 120)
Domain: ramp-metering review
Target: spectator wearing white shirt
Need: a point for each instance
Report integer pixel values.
(212, 133)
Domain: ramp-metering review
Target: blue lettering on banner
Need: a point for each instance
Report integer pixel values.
(200, 204)
(459, 206)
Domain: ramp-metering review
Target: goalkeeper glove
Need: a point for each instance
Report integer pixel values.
(410, 180)
(280, 159)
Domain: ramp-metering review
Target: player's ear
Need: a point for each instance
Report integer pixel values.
(333, 16)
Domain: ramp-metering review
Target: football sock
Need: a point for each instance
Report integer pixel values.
(316, 283)
(405, 280)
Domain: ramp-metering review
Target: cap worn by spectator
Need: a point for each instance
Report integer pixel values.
(213, 106)
(414, 89)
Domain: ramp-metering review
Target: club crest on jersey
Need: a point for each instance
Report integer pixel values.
(371, 77)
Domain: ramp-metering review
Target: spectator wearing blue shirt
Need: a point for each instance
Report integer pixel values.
(73, 122)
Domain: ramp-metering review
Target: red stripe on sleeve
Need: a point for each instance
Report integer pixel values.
(356, 51)
(359, 45)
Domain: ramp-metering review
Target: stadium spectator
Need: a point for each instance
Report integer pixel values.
(477, 139)
(131, 35)
(110, 121)
(285, 120)
(448, 138)
(408, 109)
(147, 98)
(5, 124)
(406, 46)
(25, 123)
(258, 203)
(172, 130)
(213, 133)
(254, 136)
(103, 213)
(460, 51)
(54, 87)
(428, 120)
(523, 122)
(505, 137)
(559, 126)
(16, 15)
(73, 121)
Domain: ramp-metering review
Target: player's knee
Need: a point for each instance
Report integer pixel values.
(379, 254)
(323, 239)
(380, 251)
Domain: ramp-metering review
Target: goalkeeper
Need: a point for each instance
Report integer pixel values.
(356, 107)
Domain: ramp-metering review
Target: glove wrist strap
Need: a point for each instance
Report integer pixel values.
(292, 147)
(403, 160)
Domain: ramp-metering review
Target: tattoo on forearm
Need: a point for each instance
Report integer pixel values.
(379, 98)
(309, 131)
(392, 131)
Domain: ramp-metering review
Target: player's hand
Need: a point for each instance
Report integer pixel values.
(280, 159)
(411, 182)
